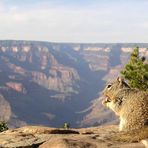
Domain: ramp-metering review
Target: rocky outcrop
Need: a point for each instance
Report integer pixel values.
(97, 61)
(16, 86)
(16, 69)
(44, 137)
(60, 78)
(41, 65)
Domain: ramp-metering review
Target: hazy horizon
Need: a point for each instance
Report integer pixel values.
(69, 42)
(85, 21)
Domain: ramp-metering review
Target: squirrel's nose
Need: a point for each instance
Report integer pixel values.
(104, 102)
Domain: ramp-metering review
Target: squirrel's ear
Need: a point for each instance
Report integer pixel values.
(120, 79)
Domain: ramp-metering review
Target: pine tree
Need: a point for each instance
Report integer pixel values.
(136, 71)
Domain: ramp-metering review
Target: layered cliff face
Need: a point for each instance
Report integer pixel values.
(40, 65)
(52, 83)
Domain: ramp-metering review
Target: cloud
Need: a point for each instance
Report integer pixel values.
(69, 22)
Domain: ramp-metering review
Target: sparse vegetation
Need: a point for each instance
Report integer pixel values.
(3, 126)
(136, 71)
(66, 126)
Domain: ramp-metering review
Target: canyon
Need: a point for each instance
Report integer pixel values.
(44, 83)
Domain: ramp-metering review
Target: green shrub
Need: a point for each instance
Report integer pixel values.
(66, 126)
(136, 71)
(3, 126)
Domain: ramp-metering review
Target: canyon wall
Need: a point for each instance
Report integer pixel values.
(51, 83)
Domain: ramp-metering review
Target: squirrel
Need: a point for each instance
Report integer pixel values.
(131, 105)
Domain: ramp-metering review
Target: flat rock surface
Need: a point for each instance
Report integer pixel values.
(44, 137)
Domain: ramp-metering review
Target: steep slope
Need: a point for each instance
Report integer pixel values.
(5, 108)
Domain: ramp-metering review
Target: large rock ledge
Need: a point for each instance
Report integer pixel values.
(44, 137)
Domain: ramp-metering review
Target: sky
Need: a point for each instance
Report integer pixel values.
(82, 21)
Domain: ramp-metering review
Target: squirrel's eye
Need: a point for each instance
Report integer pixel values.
(109, 86)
